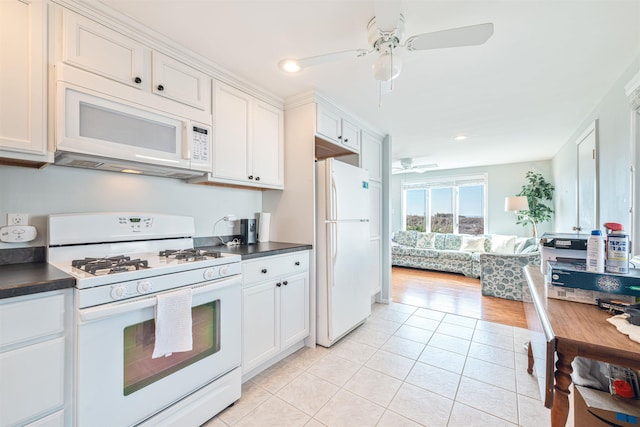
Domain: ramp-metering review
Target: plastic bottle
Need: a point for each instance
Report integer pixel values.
(595, 252)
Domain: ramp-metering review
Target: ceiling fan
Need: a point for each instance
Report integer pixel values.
(407, 166)
(385, 35)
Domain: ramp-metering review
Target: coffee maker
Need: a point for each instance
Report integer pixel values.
(248, 231)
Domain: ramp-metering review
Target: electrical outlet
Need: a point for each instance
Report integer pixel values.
(17, 219)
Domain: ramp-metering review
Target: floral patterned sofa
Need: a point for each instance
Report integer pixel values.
(496, 259)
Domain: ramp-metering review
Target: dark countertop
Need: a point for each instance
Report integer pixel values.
(31, 278)
(262, 249)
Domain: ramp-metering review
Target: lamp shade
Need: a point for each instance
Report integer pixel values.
(516, 203)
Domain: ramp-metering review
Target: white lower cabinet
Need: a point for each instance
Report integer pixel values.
(34, 385)
(275, 306)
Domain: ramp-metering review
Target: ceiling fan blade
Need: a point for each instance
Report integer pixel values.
(387, 14)
(293, 65)
(455, 37)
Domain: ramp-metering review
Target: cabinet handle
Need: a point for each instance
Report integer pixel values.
(339, 136)
(160, 88)
(257, 178)
(297, 262)
(137, 80)
(250, 176)
(279, 284)
(285, 283)
(346, 140)
(264, 271)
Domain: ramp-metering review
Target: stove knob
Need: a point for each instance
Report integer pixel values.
(224, 270)
(144, 286)
(209, 273)
(118, 292)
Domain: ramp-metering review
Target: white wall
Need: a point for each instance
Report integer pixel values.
(502, 181)
(58, 189)
(614, 136)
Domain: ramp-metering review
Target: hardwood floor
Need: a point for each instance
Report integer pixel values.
(453, 293)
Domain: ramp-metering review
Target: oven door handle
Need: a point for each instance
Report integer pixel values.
(108, 310)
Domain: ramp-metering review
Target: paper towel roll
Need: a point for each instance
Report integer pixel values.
(264, 225)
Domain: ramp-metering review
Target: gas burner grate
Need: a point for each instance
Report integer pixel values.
(189, 254)
(109, 265)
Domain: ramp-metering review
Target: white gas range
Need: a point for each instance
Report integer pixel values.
(123, 264)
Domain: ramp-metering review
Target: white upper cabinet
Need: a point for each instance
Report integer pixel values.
(180, 82)
(98, 49)
(232, 109)
(23, 131)
(371, 156)
(268, 144)
(248, 148)
(334, 127)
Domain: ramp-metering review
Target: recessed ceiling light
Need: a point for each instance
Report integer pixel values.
(460, 137)
(290, 65)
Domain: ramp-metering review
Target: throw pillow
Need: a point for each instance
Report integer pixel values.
(425, 241)
(472, 244)
(521, 243)
(530, 249)
(503, 244)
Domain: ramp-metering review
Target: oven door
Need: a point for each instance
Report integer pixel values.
(119, 384)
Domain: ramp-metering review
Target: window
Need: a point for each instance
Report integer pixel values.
(445, 205)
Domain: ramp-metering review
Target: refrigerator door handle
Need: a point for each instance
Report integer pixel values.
(334, 198)
(334, 251)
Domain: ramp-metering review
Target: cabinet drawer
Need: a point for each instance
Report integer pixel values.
(31, 318)
(274, 266)
(32, 381)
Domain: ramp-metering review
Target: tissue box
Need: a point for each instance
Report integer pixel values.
(571, 281)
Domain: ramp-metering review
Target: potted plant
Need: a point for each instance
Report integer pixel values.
(537, 192)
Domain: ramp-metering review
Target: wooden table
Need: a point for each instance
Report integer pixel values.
(570, 329)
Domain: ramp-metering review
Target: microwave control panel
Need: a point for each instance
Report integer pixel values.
(200, 144)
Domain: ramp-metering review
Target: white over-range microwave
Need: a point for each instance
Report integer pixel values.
(97, 131)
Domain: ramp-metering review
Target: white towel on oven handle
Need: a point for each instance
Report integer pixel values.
(173, 323)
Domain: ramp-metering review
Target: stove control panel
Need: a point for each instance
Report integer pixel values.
(149, 286)
(136, 223)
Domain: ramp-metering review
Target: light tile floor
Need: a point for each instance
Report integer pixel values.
(406, 366)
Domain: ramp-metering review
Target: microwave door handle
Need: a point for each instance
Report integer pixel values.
(186, 139)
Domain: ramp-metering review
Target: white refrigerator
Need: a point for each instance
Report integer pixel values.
(342, 248)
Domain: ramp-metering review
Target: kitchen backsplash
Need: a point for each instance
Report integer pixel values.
(22, 255)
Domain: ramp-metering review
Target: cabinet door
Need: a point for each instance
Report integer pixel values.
(231, 128)
(180, 82)
(350, 135)
(54, 420)
(32, 381)
(101, 50)
(371, 156)
(267, 144)
(260, 324)
(294, 310)
(328, 123)
(23, 78)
